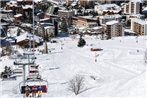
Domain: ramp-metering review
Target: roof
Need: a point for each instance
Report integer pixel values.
(26, 36)
(65, 11)
(111, 16)
(27, 6)
(129, 30)
(49, 27)
(111, 22)
(12, 3)
(145, 9)
(136, 0)
(109, 7)
(140, 21)
(88, 17)
(18, 15)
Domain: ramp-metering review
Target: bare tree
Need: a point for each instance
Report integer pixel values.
(76, 84)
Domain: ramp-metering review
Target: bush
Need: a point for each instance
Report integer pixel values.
(76, 85)
(81, 42)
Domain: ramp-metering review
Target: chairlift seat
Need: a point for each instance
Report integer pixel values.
(17, 71)
(34, 71)
(34, 76)
(44, 88)
(34, 66)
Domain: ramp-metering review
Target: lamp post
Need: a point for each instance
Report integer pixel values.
(33, 26)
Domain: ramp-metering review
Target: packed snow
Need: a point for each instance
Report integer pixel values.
(118, 72)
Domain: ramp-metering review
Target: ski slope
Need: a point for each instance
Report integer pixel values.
(118, 72)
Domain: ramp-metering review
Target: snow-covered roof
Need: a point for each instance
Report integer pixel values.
(27, 35)
(44, 19)
(49, 27)
(140, 21)
(88, 17)
(145, 9)
(136, 1)
(38, 0)
(109, 7)
(97, 27)
(74, 3)
(110, 16)
(111, 22)
(129, 30)
(18, 15)
(27, 6)
(12, 3)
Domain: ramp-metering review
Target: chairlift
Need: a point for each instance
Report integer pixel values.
(18, 72)
(33, 72)
(33, 76)
(36, 82)
(34, 66)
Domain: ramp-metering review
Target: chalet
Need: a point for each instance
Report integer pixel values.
(85, 20)
(25, 39)
(46, 29)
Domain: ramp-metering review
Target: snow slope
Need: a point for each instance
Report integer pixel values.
(118, 72)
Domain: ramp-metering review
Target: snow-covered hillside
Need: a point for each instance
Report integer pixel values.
(118, 72)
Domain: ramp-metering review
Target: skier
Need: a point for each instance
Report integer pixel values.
(27, 91)
(39, 91)
(34, 90)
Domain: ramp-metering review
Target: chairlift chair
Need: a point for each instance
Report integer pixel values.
(18, 72)
(33, 76)
(34, 66)
(35, 82)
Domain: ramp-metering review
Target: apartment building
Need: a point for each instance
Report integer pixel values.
(133, 7)
(86, 21)
(67, 14)
(113, 29)
(139, 26)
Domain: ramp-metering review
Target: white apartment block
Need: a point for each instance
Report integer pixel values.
(113, 28)
(139, 26)
(133, 7)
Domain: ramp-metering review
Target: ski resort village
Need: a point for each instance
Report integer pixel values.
(73, 48)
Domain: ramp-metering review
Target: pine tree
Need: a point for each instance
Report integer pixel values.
(81, 42)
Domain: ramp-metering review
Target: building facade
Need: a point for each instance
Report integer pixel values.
(86, 21)
(113, 29)
(67, 15)
(139, 26)
(133, 7)
(107, 18)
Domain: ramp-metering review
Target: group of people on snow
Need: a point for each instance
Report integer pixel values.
(34, 91)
